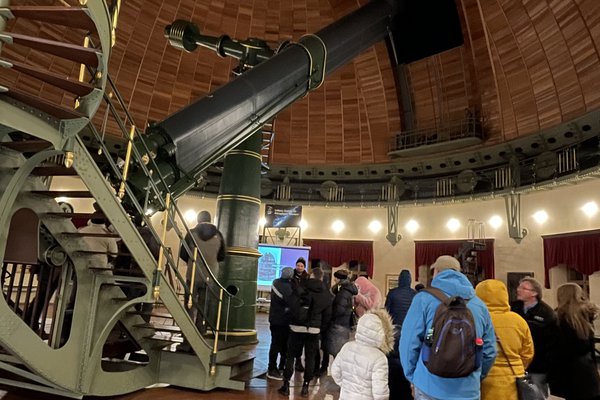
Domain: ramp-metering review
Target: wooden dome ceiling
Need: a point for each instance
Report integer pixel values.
(525, 65)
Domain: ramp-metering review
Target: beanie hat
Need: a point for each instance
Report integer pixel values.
(341, 274)
(287, 273)
(446, 262)
(301, 260)
(204, 216)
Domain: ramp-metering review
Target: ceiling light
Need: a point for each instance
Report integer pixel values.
(303, 224)
(190, 216)
(262, 221)
(338, 226)
(590, 209)
(540, 216)
(375, 226)
(412, 226)
(453, 224)
(495, 222)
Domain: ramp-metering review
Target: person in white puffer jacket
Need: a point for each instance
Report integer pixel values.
(361, 367)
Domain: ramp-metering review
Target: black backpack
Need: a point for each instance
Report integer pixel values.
(452, 348)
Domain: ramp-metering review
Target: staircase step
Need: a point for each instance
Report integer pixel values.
(54, 170)
(70, 85)
(239, 359)
(41, 104)
(74, 215)
(73, 17)
(76, 53)
(151, 314)
(27, 146)
(75, 194)
(88, 234)
(159, 328)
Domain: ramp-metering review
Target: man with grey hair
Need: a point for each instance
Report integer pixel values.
(212, 247)
(418, 327)
(541, 320)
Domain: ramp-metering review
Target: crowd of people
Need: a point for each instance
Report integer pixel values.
(448, 341)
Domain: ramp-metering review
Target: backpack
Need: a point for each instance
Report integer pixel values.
(300, 306)
(452, 348)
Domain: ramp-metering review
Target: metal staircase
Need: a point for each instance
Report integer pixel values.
(85, 310)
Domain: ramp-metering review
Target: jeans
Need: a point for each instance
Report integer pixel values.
(422, 396)
(541, 381)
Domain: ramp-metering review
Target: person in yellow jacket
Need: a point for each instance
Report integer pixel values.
(513, 332)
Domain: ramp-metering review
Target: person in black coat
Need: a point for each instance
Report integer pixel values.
(573, 370)
(541, 320)
(306, 333)
(397, 303)
(279, 321)
(344, 291)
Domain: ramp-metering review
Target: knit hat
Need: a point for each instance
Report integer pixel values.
(301, 260)
(287, 273)
(204, 216)
(446, 262)
(341, 274)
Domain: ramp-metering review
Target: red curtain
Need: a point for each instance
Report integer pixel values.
(578, 250)
(336, 252)
(427, 251)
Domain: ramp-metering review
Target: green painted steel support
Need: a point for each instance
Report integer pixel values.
(238, 206)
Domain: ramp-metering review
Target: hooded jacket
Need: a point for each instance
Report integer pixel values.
(361, 368)
(281, 290)
(420, 318)
(513, 332)
(342, 303)
(319, 308)
(368, 297)
(398, 299)
(210, 244)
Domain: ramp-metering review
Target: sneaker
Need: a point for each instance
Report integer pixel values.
(274, 374)
(304, 391)
(284, 389)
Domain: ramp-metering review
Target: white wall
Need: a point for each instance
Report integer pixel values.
(562, 205)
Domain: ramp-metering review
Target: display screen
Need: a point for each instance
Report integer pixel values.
(273, 259)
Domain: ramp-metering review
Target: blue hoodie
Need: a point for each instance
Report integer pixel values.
(420, 318)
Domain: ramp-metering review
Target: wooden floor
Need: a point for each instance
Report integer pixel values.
(258, 388)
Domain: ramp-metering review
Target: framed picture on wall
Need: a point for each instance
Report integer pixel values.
(391, 282)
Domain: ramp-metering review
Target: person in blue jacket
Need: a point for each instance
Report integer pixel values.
(419, 319)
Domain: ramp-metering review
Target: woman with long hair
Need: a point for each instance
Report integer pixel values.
(574, 373)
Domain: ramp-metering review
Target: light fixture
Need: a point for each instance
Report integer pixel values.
(375, 226)
(453, 224)
(190, 216)
(412, 226)
(303, 224)
(590, 208)
(338, 226)
(149, 211)
(262, 221)
(540, 216)
(495, 222)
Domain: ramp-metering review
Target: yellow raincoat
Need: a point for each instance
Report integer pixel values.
(514, 334)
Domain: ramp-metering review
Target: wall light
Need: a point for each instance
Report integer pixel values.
(262, 221)
(338, 226)
(303, 224)
(190, 216)
(412, 226)
(590, 209)
(375, 226)
(453, 224)
(495, 222)
(540, 216)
